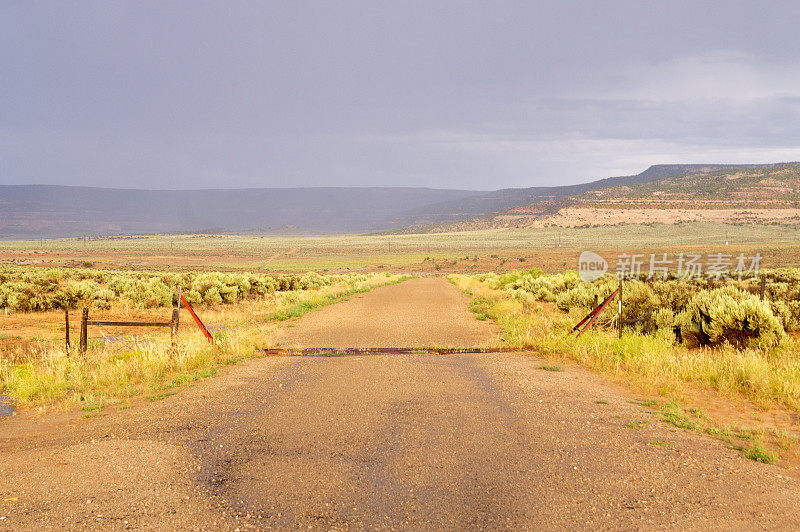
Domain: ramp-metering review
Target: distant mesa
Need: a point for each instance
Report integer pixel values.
(660, 194)
(735, 194)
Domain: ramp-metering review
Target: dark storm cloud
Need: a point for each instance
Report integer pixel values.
(444, 94)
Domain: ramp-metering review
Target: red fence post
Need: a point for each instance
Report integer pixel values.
(197, 320)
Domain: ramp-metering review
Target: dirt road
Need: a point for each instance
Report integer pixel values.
(386, 442)
(424, 312)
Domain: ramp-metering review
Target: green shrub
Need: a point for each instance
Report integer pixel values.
(18, 296)
(212, 296)
(581, 296)
(638, 299)
(193, 297)
(729, 315)
(788, 312)
(29, 289)
(157, 294)
(674, 295)
(664, 318)
(542, 287)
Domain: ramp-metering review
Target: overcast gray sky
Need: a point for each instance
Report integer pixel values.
(477, 95)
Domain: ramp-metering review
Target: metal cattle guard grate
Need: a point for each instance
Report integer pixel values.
(342, 351)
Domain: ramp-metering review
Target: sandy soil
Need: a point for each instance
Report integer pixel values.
(385, 442)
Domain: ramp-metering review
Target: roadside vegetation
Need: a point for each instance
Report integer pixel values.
(692, 336)
(703, 312)
(30, 290)
(43, 373)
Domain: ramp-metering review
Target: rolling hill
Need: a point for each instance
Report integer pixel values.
(43, 210)
(35, 211)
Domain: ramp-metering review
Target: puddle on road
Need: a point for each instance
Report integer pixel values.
(6, 409)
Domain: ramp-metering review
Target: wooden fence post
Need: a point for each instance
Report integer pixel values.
(176, 318)
(178, 306)
(66, 328)
(619, 316)
(174, 334)
(84, 331)
(763, 285)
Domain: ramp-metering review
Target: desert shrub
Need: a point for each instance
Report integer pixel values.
(28, 289)
(773, 291)
(781, 275)
(172, 279)
(491, 279)
(504, 280)
(228, 293)
(664, 321)
(212, 296)
(674, 295)
(287, 283)
(542, 287)
(157, 293)
(262, 284)
(239, 281)
(664, 318)
(61, 299)
(203, 283)
(18, 296)
(123, 286)
(525, 297)
(100, 295)
(638, 299)
(729, 315)
(788, 312)
(193, 297)
(86, 292)
(581, 296)
(313, 281)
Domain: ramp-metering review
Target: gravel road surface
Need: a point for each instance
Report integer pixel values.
(468, 441)
(422, 312)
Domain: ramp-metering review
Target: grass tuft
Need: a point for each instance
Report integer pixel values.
(551, 367)
(672, 412)
(161, 396)
(759, 454)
